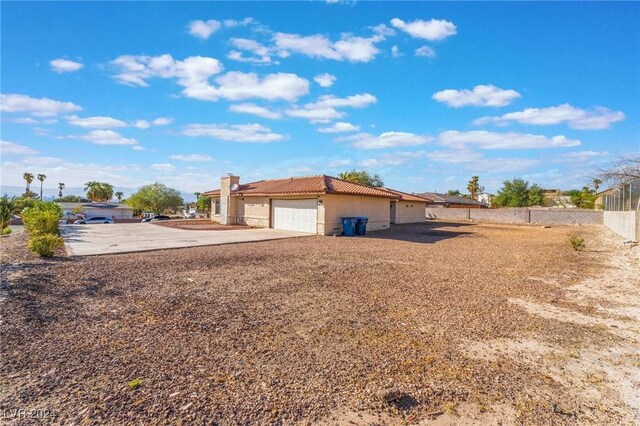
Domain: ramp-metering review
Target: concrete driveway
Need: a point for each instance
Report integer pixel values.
(87, 240)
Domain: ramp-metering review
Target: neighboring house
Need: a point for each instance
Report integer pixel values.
(111, 210)
(313, 204)
(555, 198)
(451, 201)
(484, 198)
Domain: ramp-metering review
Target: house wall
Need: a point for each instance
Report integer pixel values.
(110, 213)
(334, 207)
(409, 212)
(252, 211)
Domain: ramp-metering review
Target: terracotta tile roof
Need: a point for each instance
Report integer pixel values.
(408, 197)
(306, 185)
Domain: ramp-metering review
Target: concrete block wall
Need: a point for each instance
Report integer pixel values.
(520, 215)
(625, 224)
(566, 217)
(444, 213)
(500, 215)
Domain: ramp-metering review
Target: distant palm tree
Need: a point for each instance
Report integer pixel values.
(596, 184)
(119, 195)
(41, 178)
(60, 187)
(29, 178)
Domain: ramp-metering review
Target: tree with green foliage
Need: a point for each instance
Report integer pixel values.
(362, 177)
(28, 177)
(596, 185)
(60, 188)
(99, 191)
(41, 178)
(583, 199)
(156, 198)
(454, 192)
(8, 207)
(474, 187)
(518, 193)
(119, 196)
(203, 204)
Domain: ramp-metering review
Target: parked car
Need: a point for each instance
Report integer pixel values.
(146, 219)
(96, 219)
(160, 218)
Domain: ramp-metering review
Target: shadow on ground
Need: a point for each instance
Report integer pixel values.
(429, 233)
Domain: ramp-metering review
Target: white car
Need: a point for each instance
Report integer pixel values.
(96, 219)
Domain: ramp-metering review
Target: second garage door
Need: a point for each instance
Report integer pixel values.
(295, 215)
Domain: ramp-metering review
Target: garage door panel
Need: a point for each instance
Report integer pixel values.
(295, 215)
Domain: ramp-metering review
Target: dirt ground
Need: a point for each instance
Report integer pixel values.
(443, 323)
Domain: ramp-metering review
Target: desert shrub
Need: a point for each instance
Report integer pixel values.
(6, 230)
(134, 384)
(8, 206)
(42, 218)
(44, 244)
(577, 243)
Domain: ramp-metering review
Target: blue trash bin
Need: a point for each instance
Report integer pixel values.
(361, 225)
(348, 226)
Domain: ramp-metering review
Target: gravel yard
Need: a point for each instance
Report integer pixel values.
(436, 323)
(198, 225)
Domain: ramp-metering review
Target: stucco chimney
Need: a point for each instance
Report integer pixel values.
(228, 209)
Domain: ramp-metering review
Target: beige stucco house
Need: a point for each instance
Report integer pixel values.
(313, 204)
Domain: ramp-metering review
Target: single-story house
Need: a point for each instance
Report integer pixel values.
(313, 204)
(408, 208)
(451, 201)
(110, 210)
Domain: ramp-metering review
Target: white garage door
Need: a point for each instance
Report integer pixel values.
(295, 215)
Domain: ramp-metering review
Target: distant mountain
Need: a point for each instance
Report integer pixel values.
(50, 194)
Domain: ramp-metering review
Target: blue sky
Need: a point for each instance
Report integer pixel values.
(425, 94)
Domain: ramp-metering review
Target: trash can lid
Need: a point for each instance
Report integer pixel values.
(348, 217)
(362, 217)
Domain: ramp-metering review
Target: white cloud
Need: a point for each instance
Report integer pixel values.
(97, 122)
(315, 114)
(425, 51)
(477, 162)
(25, 120)
(349, 47)
(386, 140)
(582, 155)
(354, 101)
(138, 148)
(43, 107)
(260, 53)
(335, 164)
(576, 118)
(163, 167)
(231, 23)
(339, 127)
(7, 148)
(194, 73)
(141, 124)
(192, 157)
(481, 95)
(455, 156)
(237, 85)
(385, 160)
(162, 121)
(432, 30)
(203, 29)
(395, 51)
(105, 137)
(491, 140)
(254, 109)
(255, 133)
(325, 80)
(64, 65)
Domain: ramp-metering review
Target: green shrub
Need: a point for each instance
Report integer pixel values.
(6, 230)
(134, 384)
(8, 206)
(42, 218)
(577, 243)
(44, 244)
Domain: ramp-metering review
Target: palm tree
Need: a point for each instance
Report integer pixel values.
(119, 196)
(8, 206)
(60, 187)
(596, 185)
(474, 187)
(29, 178)
(98, 191)
(41, 178)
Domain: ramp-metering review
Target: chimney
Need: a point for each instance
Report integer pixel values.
(228, 209)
